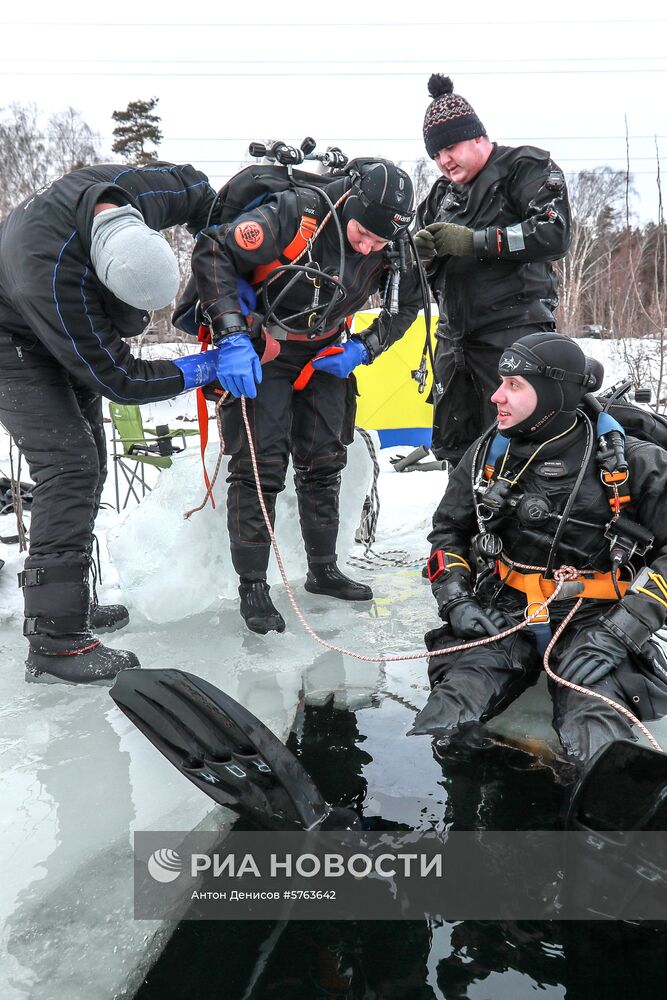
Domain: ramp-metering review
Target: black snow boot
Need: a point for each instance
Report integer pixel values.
(57, 607)
(108, 617)
(74, 659)
(257, 608)
(326, 578)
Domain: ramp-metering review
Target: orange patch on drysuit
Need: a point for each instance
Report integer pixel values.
(249, 235)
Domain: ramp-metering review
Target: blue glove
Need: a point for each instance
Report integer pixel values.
(354, 353)
(237, 365)
(246, 295)
(198, 369)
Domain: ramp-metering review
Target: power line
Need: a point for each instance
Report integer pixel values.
(338, 75)
(327, 24)
(417, 138)
(338, 62)
(602, 160)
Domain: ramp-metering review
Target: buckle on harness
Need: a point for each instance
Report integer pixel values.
(542, 618)
(612, 479)
(30, 626)
(30, 577)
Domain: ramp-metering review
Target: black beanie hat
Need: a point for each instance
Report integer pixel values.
(560, 373)
(382, 200)
(449, 118)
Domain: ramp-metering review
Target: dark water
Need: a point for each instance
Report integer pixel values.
(362, 758)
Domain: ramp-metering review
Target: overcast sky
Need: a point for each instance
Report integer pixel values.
(558, 75)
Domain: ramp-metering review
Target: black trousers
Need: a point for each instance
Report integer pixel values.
(467, 370)
(313, 426)
(57, 423)
(476, 685)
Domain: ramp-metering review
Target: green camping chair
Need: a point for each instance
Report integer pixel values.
(132, 452)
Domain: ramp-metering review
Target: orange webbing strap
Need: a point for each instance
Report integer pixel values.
(617, 482)
(271, 351)
(204, 337)
(307, 372)
(597, 586)
(305, 232)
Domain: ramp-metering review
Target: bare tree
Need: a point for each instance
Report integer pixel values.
(161, 328)
(71, 142)
(644, 350)
(595, 199)
(33, 153)
(424, 175)
(23, 159)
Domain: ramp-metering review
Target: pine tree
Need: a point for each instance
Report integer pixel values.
(136, 128)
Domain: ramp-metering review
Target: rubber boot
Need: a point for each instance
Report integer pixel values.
(57, 626)
(325, 578)
(108, 617)
(257, 608)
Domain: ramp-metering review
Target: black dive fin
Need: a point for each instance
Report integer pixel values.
(623, 787)
(224, 750)
(618, 870)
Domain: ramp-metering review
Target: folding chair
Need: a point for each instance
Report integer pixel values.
(136, 452)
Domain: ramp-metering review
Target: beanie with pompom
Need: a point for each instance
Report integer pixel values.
(449, 118)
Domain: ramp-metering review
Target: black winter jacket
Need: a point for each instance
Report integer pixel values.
(518, 208)
(50, 293)
(552, 475)
(259, 237)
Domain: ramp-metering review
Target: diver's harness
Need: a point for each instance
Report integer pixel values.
(246, 191)
(253, 185)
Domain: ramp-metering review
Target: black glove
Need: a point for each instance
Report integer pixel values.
(469, 620)
(448, 238)
(425, 244)
(456, 605)
(589, 660)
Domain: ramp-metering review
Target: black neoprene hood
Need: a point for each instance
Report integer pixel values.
(382, 202)
(557, 369)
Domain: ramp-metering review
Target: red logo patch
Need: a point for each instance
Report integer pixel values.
(249, 235)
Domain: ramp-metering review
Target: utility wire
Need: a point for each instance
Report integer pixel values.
(412, 138)
(331, 24)
(561, 159)
(338, 62)
(326, 73)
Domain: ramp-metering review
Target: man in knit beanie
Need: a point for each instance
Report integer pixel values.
(489, 230)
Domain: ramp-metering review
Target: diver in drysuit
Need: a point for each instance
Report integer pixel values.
(530, 496)
(308, 419)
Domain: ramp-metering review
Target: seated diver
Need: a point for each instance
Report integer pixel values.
(532, 495)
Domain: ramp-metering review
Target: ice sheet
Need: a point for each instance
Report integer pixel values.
(185, 566)
(76, 778)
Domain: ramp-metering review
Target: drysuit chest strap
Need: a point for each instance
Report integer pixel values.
(304, 234)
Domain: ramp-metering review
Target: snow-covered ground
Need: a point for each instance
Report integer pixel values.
(76, 777)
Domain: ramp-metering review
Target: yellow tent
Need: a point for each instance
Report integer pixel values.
(389, 398)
